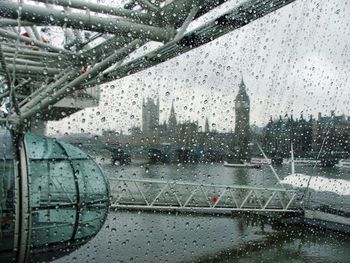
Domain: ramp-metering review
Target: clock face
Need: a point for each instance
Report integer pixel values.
(242, 104)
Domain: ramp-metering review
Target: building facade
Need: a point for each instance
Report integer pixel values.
(172, 124)
(281, 133)
(242, 128)
(150, 116)
(332, 133)
(324, 136)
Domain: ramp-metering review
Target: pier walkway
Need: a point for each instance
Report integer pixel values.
(154, 194)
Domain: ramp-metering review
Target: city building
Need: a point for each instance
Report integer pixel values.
(242, 128)
(172, 119)
(206, 127)
(281, 133)
(332, 133)
(150, 116)
(189, 137)
(326, 135)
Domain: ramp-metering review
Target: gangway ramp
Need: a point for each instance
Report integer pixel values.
(174, 195)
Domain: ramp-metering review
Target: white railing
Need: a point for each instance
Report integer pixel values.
(178, 195)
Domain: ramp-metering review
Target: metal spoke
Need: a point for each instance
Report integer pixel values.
(159, 194)
(142, 194)
(219, 198)
(83, 25)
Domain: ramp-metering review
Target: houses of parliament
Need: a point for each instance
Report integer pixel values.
(189, 134)
(307, 136)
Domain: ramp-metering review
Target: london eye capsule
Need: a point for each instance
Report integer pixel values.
(53, 198)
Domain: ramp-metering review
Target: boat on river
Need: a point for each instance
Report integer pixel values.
(242, 165)
(261, 161)
(303, 161)
(343, 163)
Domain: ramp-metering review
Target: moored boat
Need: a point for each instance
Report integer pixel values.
(343, 163)
(303, 161)
(261, 161)
(242, 165)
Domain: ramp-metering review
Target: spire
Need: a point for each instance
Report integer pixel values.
(206, 127)
(172, 118)
(242, 92)
(172, 111)
(241, 85)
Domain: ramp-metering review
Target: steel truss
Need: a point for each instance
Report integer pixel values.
(52, 72)
(151, 194)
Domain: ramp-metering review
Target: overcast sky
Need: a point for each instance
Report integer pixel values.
(294, 60)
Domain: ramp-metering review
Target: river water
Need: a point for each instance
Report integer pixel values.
(132, 236)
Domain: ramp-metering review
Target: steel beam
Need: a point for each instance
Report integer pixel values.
(29, 40)
(33, 58)
(186, 23)
(156, 194)
(7, 93)
(43, 16)
(238, 17)
(5, 22)
(104, 49)
(41, 103)
(29, 70)
(148, 5)
(32, 52)
(61, 79)
(19, 61)
(204, 210)
(158, 24)
(100, 8)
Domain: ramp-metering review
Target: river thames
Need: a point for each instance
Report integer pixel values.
(136, 236)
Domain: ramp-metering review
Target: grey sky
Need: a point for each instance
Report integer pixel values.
(296, 59)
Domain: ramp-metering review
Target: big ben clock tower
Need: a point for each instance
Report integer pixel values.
(242, 129)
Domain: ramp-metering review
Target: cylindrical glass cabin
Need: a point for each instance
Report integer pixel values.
(53, 197)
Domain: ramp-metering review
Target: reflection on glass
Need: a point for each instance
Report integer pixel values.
(69, 193)
(7, 196)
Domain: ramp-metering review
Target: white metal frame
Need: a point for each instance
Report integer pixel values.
(120, 30)
(155, 194)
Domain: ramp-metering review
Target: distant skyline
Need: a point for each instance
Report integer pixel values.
(294, 60)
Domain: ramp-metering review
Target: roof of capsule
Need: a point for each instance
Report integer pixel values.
(40, 147)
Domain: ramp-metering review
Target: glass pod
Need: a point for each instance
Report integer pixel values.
(54, 197)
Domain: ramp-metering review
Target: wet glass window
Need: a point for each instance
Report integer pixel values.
(69, 196)
(7, 195)
(174, 131)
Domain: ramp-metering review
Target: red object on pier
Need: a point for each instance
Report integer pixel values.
(213, 199)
